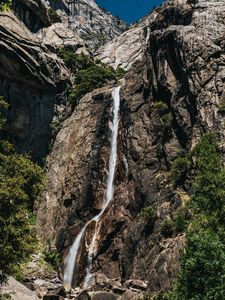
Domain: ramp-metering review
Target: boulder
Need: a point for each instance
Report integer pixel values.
(130, 295)
(17, 291)
(103, 296)
(118, 289)
(84, 296)
(136, 284)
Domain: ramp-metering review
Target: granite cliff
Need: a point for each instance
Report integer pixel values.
(170, 96)
(176, 57)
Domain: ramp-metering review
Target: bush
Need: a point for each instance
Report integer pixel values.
(180, 168)
(74, 61)
(88, 74)
(51, 255)
(3, 112)
(165, 119)
(160, 108)
(168, 227)
(54, 16)
(182, 220)
(5, 5)
(149, 213)
(5, 297)
(89, 79)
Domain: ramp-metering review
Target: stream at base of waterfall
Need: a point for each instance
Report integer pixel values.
(71, 259)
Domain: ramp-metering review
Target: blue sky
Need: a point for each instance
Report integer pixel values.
(129, 10)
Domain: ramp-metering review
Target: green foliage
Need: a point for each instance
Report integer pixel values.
(89, 79)
(5, 5)
(88, 74)
(120, 72)
(168, 227)
(209, 185)
(165, 119)
(20, 183)
(149, 213)
(74, 61)
(182, 219)
(51, 255)
(180, 168)
(203, 268)
(202, 275)
(160, 108)
(54, 16)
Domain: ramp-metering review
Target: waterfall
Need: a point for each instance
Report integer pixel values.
(110, 187)
(70, 262)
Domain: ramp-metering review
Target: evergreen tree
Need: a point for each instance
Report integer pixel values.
(20, 182)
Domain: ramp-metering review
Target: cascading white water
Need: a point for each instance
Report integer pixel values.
(110, 187)
(70, 262)
(71, 258)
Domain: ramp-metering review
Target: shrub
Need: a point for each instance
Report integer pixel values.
(5, 5)
(51, 255)
(168, 227)
(160, 108)
(182, 220)
(180, 168)
(149, 213)
(74, 61)
(3, 111)
(5, 297)
(165, 119)
(89, 79)
(88, 74)
(54, 16)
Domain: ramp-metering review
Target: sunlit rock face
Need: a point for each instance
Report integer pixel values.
(92, 23)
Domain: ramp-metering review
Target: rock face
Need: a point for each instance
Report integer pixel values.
(34, 79)
(94, 24)
(181, 64)
(31, 79)
(127, 48)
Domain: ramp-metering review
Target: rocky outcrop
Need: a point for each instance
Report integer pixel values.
(33, 80)
(32, 13)
(17, 291)
(127, 48)
(92, 23)
(182, 65)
